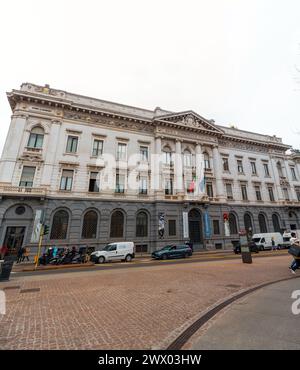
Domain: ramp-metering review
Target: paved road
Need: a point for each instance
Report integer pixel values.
(149, 262)
(262, 320)
(129, 308)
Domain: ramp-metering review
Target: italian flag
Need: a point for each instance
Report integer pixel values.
(191, 188)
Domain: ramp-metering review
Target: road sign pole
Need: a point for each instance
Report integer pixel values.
(40, 246)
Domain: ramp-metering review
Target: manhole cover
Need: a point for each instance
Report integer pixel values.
(32, 290)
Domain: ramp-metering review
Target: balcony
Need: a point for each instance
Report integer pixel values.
(22, 191)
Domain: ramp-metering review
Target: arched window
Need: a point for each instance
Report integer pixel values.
(248, 222)
(262, 223)
(60, 225)
(279, 169)
(206, 160)
(89, 226)
(36, 138)
(233, 224)
(117, 225)
(142, 224)
(187, 158)
(167, 156)
(276, 223)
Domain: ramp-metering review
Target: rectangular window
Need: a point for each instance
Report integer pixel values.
(35, 140)
(209, 190)
(298, 193)
(240, 166)
(253, 168)
(168, 186)
(172, 227)
(143, 186)
(144, 153)
(229, 191)
(244, 192)
(94, 184)
(294, 177)
(225, 164)
(66, 180)
(72, 144)
(271, 194)
(266, 169)
(167, 158)
(286, 194)
(122, 152)
(27, 177)
(97, 148)
(258, 193)
(216, 226)
(120, 183)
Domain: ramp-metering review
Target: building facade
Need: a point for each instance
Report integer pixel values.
(102, 172)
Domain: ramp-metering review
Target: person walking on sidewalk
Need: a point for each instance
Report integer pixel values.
(26, 254)
(3, 252)
(295, 251)
(273, 244)
(20, 253)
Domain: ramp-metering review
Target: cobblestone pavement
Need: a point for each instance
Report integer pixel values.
(141, 308)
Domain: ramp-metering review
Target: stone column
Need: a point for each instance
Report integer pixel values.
(289, 178)
(277, 180)
(156, 167)
(178, 170)
(218, 174)
(199, 165)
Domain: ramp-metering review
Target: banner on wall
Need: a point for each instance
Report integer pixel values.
(227, 228)
(185, 222)
(37, 226)
(161, 225)
(207, 225)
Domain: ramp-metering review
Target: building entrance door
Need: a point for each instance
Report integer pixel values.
(14, 237)
(195, 227)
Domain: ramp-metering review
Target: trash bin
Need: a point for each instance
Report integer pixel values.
(246, 254)
(6, 267)
(245, 249)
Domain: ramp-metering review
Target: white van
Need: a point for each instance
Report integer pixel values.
(123, 251)
(287, 236)
(264, 240)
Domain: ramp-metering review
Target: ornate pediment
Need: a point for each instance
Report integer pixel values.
(189, 119)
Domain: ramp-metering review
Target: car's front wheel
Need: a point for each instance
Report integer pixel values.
(101, 259)
(164, 256)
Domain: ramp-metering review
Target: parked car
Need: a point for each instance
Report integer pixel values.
(122, 251)
(173, 251)
(264, 240)
(252, 246)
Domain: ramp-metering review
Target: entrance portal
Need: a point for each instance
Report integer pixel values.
(195, 227)
(14, 237)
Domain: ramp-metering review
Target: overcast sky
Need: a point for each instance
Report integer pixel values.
(234, 61)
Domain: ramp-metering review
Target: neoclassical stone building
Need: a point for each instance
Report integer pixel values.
(101, 171)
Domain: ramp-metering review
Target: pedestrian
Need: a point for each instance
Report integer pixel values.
(273, 244)
(26, 254)
(295, 247)
(3, 252)
(20, 254)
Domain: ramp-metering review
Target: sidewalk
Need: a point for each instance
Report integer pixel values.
(29, 266)
(262, 320)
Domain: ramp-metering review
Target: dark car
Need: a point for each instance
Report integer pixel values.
(252, 246)
(173, 251)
